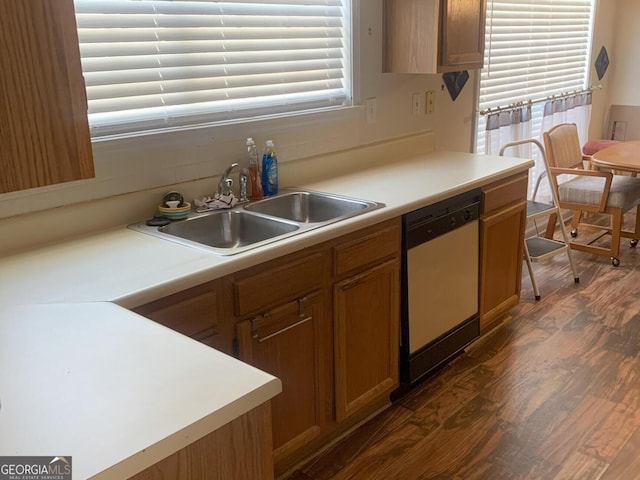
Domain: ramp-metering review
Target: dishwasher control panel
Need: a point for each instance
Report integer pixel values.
(437, 219)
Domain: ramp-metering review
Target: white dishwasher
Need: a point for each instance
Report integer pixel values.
(439, 284)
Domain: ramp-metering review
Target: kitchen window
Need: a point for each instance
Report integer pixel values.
(151, 65)
(534, 49)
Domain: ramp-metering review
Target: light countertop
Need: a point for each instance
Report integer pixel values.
(80, 375)
(130, 268)
(111, 389)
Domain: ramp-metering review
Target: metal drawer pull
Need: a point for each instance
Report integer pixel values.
(264, 339)
(301, 302)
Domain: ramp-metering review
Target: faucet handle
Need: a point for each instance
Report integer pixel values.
(244, 175)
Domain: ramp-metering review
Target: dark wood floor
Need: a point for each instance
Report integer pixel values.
(552, 394)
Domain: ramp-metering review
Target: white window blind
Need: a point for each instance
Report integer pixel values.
(153, 64)
(534, 49)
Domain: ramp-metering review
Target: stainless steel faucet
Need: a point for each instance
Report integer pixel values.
(225, 183)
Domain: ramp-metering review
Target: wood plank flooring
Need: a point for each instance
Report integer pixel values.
(553, 394)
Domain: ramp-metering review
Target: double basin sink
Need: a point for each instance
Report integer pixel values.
(235, 230)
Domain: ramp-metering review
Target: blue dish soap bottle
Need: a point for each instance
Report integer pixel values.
(269, 170)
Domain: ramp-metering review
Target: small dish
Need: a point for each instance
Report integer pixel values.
(176, 213)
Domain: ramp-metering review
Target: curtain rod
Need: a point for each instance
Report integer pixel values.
(515, 105)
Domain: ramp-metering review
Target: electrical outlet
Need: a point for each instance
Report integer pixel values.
(371, 106)
(416, 100)
(430, 102)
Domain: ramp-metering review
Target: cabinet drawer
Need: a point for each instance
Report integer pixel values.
(367, 249)
(504, 192)
(282, 318)
(277, 284)
(192, 312)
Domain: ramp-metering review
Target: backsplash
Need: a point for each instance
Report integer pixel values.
(27, 231)
(146, 162)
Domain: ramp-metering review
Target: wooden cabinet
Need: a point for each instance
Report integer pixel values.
(287, 343)
(239, 450)
(44, 131)
(366, 316)
(366, 322)
(284, 330)
(199, 313)
(410, 36)
(431, 36)
(502, 225)
(462, 24)
(325, 321)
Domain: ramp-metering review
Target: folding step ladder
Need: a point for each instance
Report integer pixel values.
(537, 248)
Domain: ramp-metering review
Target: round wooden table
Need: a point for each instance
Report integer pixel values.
(623, 156)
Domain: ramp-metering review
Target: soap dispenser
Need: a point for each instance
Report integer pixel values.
(254, 171)
(269, 170)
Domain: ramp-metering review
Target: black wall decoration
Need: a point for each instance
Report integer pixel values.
(455, 81)
(602, 62)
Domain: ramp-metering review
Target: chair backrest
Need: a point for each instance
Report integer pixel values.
(562, 146)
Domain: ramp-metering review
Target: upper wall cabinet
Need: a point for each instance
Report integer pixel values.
(432, 36)
(44, 131)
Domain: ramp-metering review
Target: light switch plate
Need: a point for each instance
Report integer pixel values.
(371, 106)
(416, 103)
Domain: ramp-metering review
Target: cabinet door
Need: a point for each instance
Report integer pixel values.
(287, 343)
(410, 36)
(44, 131)
(366, 323)
(501, 244)
(461, 35)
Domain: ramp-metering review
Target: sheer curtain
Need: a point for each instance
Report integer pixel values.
(573, 109)
(509, 126)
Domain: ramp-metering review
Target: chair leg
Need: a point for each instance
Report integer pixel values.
(551, 226)
(636, 229)
(575, 219)
(616, 227)
(633, 235)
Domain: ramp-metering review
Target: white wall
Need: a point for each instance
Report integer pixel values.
(617, 29)
(625, 81)
(604, 35)
(144, 163)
